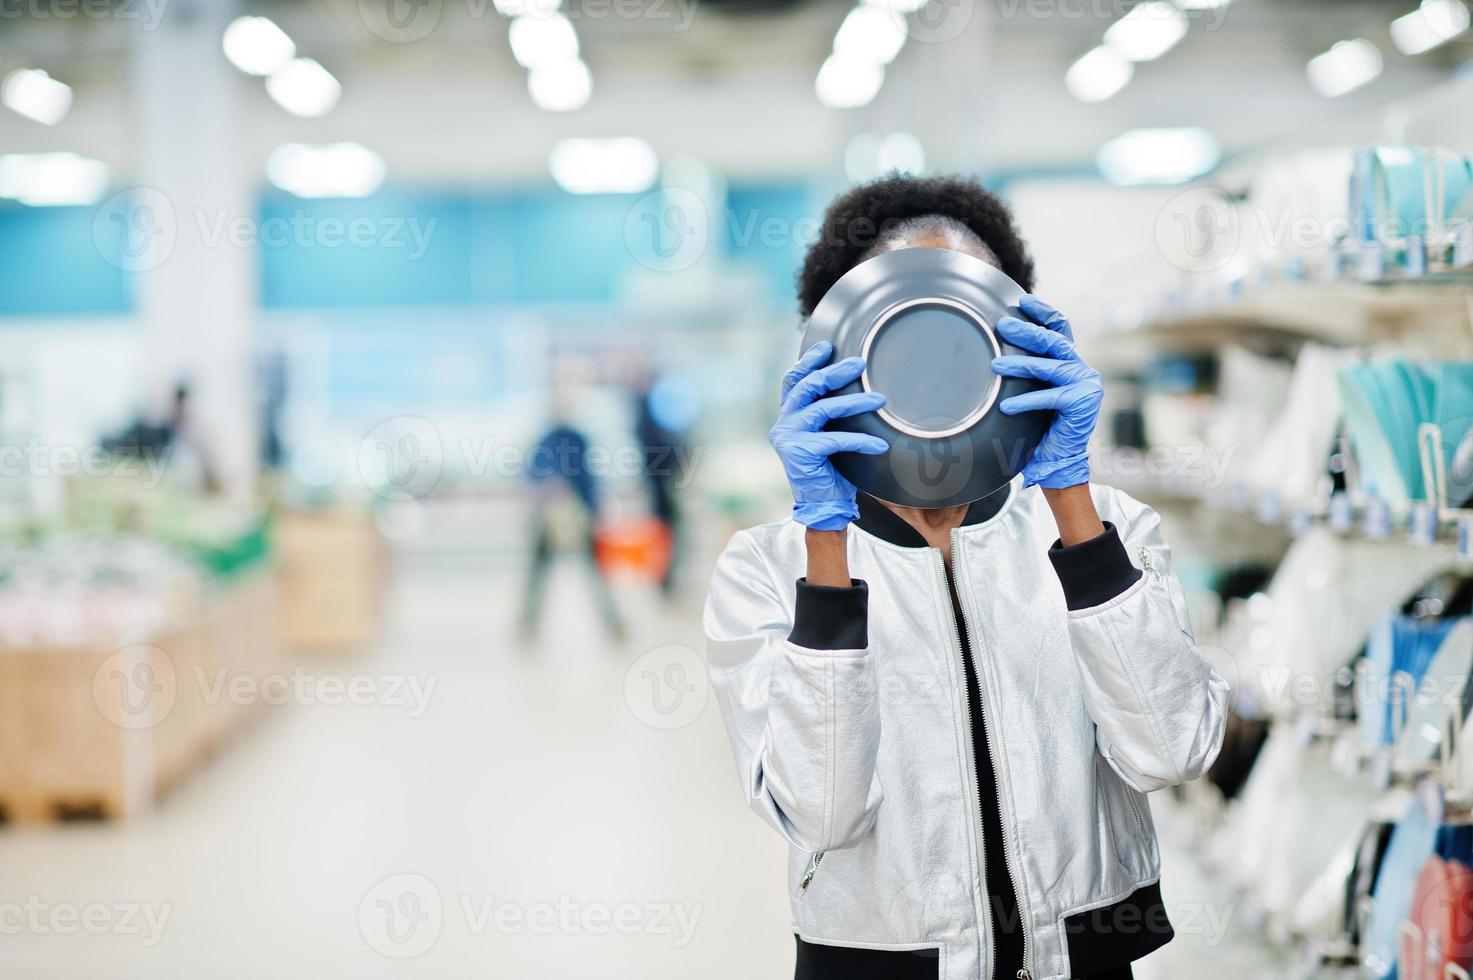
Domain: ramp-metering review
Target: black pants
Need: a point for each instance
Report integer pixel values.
(820, 962)
(540, 564)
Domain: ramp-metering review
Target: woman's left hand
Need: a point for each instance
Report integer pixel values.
(1062, 458)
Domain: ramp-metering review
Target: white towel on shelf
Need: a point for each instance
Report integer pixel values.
(1293, 456)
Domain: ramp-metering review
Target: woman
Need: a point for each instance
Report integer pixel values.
(954, 715)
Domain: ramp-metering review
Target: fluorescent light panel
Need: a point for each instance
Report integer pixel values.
(527, 8)
(1098, 74)
(867, 156)
(1158, 156)
(561, 86)
(36, 95)
(862, 158)
(848, 83)
(42, 179)
(257, 46)
(872, 34)
(624, 165)
(538, 41)
(903, 152)
(326, 170)
(1434, 23)
(304, 88)
(1344, 68)
(1148, 31)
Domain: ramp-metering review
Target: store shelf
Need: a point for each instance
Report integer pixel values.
(1366, 519)
(1431, 315)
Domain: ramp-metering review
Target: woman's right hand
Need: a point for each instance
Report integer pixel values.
(822, 499)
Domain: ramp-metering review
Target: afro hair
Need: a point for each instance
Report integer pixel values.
(858, 218)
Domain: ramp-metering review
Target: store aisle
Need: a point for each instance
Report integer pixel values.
(493, 810)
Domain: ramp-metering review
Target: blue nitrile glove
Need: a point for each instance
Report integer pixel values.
(1062, 458)
(822, 499)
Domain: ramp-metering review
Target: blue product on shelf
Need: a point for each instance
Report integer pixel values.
(1402, 192)
(1381, 416)
(1455, 843)
(1411, 844)
(1453, 410)
(1398, 653)
(1386, 402)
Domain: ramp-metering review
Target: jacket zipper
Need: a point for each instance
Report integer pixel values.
(1130, 798)
(1149, 566)
(956, 636)
(808, 872)
(959, 624)
(1129, 795)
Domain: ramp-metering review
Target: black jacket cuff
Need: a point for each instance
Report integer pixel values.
(1094, 571)
(830, 617)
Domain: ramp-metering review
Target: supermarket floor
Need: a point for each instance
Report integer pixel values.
(563, 811)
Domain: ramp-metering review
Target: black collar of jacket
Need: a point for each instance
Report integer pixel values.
(879, 520)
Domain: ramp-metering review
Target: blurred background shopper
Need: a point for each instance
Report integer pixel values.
(565, 516)
(665, 409)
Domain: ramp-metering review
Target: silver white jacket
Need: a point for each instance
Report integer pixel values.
(864, 756)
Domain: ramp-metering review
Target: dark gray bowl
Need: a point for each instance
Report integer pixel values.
(922, 320)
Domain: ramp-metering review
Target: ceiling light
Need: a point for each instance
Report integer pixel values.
(36, 95)
(537, 41)
(561, 86)
(1344, 68)
(330, 170)
(848, 83)
(256, 45)
(1158, 156)
(624, 165)
(862, 158)
(1148, 31)
(304, 88)
(1098, 74)
(40, 179)
(871, 34)
(1435, 22)
(901, 152)
(527, 8)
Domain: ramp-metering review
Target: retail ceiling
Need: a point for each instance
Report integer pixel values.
(731, 82)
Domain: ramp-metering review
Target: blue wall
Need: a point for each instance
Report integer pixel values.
(52, 262)
(770, 226)
(401, 247)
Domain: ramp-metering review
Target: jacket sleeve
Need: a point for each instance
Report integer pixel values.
(804, 723)
(1159, 709)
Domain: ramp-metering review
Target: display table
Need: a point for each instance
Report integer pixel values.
(330, 569)
(101, 729)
